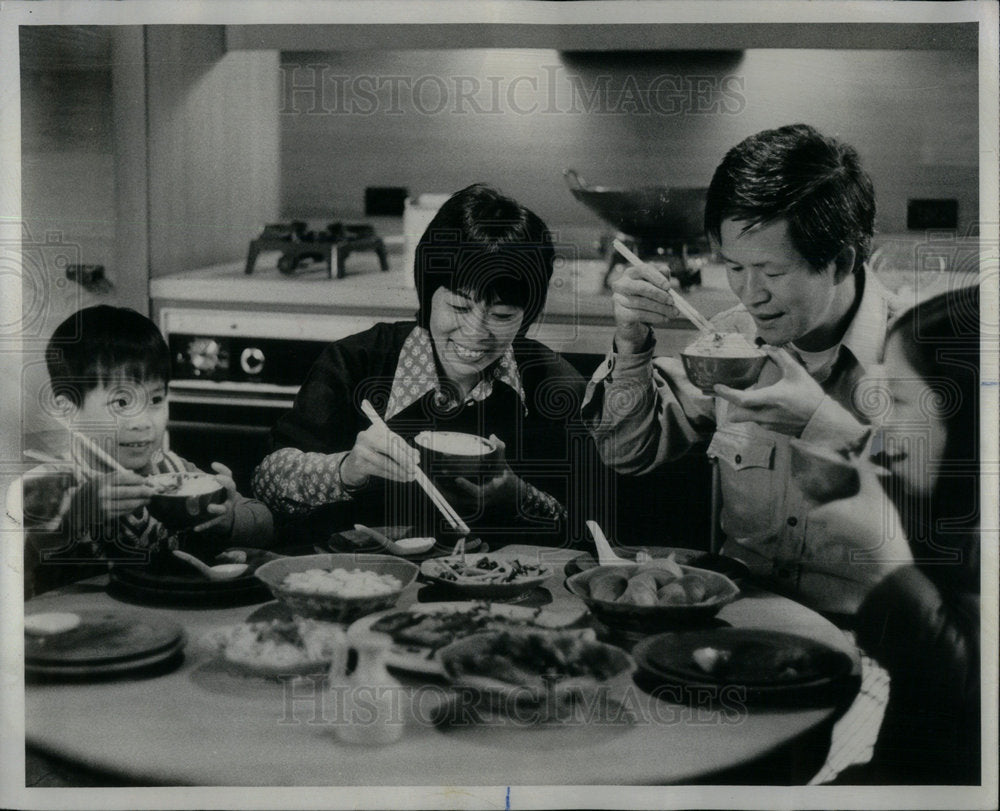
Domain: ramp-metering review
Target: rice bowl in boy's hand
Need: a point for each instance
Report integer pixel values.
(182, 499)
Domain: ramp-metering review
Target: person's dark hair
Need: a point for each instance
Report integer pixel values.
(940, 340)
(101, 345)
(487, 246)
(797, 174)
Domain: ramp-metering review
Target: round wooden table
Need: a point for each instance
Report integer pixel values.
(199, 725)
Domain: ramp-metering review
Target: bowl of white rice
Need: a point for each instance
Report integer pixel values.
(337, 587)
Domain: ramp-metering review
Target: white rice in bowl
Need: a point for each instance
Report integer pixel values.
(341, 583)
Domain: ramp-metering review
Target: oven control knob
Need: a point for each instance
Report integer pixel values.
(252, 360)
(204, 356)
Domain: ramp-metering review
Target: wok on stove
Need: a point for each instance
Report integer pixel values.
(650, 214)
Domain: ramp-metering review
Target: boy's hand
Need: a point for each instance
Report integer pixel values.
(225, 513)
(119, 493)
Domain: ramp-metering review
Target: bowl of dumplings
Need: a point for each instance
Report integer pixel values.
(656, 595)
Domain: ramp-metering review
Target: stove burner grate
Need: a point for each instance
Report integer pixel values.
(332, 245)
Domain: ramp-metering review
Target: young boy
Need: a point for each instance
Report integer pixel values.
(109, 370)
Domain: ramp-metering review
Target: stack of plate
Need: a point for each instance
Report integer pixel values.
(141, 585)
(102, 643)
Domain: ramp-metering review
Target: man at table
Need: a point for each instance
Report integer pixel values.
(791, 213)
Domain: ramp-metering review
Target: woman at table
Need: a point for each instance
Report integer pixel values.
(916, 540)
(482, 270)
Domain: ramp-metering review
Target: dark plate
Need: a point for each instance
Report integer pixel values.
(102, 639)
(153, 665)
(732, 568)
(757, 663)
(137, 584)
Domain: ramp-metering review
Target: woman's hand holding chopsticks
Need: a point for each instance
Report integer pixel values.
(418, 475)
(378, 451)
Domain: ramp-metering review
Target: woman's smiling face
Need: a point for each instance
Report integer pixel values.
(469, 335)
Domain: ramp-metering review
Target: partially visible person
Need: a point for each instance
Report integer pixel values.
(914, 542)
(791, 212)
(109, 373)
(481, 270)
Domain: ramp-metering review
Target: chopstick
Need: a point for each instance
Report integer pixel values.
(38, 456)
(439, 500)
(92, 446)
(681, 303)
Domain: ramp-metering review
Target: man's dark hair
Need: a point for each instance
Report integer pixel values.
(102, 345)
(489, 247)
(796, 174)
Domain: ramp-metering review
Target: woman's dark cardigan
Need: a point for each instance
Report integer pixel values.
(922, 623)
(548, 447)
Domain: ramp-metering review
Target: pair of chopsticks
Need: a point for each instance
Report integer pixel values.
(681, 303)
(439, 500)
(88, 443)
(96, 450)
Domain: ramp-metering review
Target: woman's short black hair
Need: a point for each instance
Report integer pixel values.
(797, 174)
(101, 345)
(489, 247)
(940, 340)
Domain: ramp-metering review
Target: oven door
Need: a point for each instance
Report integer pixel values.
(233, 375)
(228, 426)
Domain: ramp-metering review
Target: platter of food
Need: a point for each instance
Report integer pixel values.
(278, 647)
(420, 631)
(760, 663)
(654, 595)
(527, 665)
(485, 576)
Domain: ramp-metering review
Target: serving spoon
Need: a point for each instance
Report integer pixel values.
(221, 571)
(397, 548)
(606, 555)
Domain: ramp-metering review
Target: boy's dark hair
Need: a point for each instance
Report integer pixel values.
(797, 174)
(486, 246)
(100, 345)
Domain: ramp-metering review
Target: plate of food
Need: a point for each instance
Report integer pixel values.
(760, 663)
(533, 665)
(277, 648)
(735, 570)
(420, 631)
(485, 576)
(654, 595)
